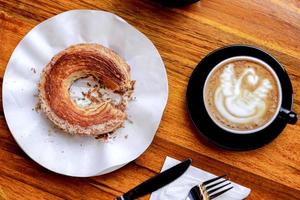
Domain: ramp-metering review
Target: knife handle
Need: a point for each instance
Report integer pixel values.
(157, 181)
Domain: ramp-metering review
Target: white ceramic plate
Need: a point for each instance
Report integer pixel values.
(75, 155)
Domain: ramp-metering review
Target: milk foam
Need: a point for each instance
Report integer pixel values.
(237, 104)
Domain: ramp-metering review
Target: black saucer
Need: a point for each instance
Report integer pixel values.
(203, 122)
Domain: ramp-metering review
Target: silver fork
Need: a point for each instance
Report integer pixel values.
(210, 189)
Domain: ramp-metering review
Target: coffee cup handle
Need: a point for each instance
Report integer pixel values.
(288, 116)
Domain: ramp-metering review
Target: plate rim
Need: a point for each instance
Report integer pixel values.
(4, 91)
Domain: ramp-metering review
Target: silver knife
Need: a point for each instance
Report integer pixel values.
(157, 181)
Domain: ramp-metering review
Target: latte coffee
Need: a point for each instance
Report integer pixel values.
(242, 94)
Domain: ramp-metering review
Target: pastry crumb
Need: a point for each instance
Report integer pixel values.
(33, 70)
(102, 137)
(106, 137)
(38, 107)
(129, 120)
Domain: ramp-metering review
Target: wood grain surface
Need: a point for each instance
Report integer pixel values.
(183, 37)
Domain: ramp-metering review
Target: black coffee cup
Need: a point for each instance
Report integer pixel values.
(237, 140)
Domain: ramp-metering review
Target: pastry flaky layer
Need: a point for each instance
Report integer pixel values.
(71, 64)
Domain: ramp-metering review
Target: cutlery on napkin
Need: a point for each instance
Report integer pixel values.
(179, 189)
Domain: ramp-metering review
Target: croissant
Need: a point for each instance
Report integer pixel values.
(79, 61)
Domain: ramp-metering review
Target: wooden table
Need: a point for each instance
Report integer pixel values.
(183, 37)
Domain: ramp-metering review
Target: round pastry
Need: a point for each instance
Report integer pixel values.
(76, 62)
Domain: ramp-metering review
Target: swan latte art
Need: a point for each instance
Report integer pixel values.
(242, 94)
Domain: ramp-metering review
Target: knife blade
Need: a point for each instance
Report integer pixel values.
(157, 181)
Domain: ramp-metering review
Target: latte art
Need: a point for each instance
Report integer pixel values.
(242, 95)
(238, 104)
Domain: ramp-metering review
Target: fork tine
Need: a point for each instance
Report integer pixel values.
(213, 185)
(212, 180)
(215, 189)
(219, 193)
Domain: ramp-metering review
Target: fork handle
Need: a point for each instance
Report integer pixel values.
(195, 193)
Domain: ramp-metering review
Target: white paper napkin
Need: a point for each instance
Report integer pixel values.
(179, 189)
